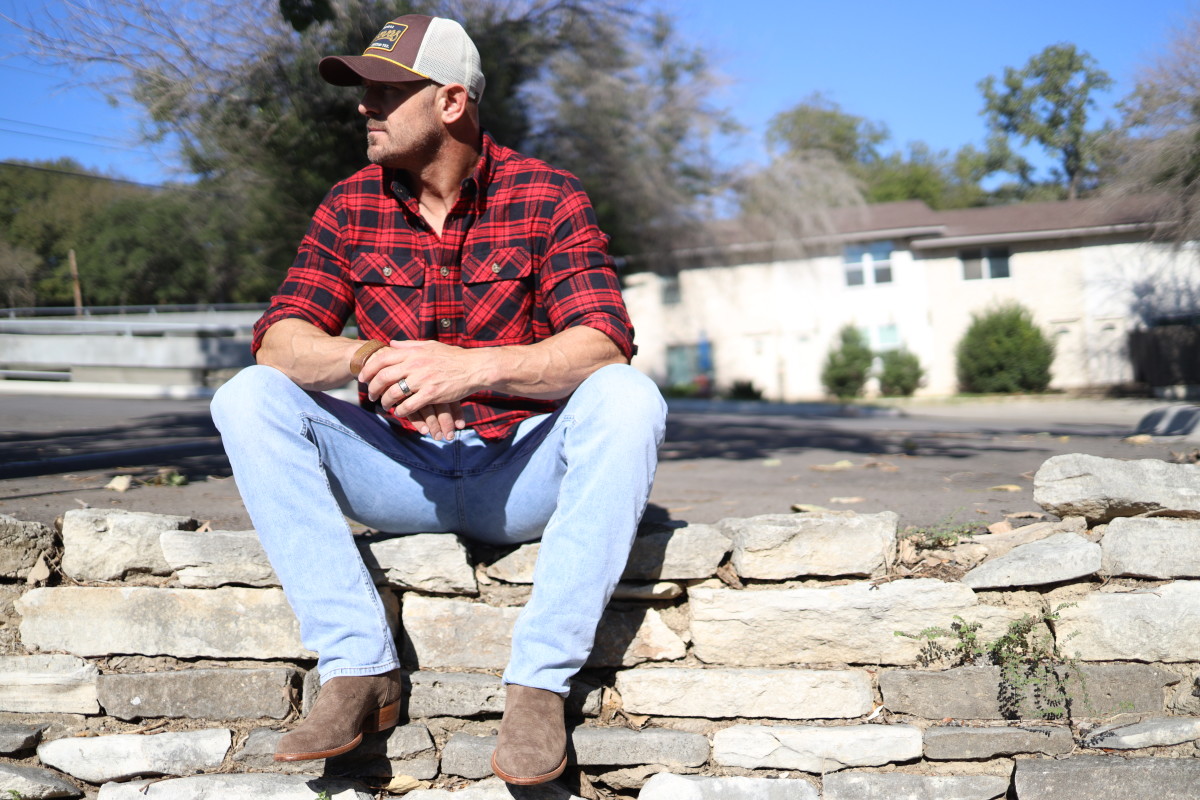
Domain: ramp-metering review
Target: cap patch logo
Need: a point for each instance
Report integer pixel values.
(389, 37)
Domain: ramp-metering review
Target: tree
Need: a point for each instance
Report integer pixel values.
(239, 86)
(1160, 154)
(900, 373)
(651, 142)
(847, 365)
(1004, 350)
(819, 125)
(1047, 102)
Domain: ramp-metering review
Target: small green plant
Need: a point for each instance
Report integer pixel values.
(744, 390)
(1004, 351)
(323, 795)
(900, 373)
(1035, 675)
(946, 533)
(848, 365)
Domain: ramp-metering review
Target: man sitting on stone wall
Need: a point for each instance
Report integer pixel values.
(496, 396)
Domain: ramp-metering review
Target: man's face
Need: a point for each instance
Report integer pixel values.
(402, 126)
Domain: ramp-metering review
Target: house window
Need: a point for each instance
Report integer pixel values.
(989, 262)
(882, 337)
(671, 295)
(868, 263)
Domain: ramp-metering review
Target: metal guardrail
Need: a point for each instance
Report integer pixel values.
(100, 311)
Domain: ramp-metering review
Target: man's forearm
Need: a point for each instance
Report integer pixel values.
(553, 368)
(308, 355)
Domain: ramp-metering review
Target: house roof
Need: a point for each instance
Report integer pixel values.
(931, 229)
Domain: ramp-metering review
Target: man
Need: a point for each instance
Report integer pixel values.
(496, 399)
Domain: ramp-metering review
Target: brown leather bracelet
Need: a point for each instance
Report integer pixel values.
(365, 351)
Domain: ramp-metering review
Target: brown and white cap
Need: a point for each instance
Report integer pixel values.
(412, 48)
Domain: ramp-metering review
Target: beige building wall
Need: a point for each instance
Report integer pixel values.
(773, 323)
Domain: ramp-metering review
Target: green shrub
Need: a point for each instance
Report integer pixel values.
(744, 390)
(1004, 351)
(900, 373)
(848, 365)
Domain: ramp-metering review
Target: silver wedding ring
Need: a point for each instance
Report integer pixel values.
(402, 385)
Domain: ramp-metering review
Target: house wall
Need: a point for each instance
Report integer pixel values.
(773, 323)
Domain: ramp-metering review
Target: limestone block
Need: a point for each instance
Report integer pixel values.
(995, 545)
(17, 738)
(855, 623)
(257, 752)
(1147, 733)
(32, 783)
(186, 623)
(199, 694)
(98, 759)
(1107, 778)
(465, 694)
(624, 747)
(1156, 548)
(665, 786)
(468, 756)
(1101, 489)
(495, 789)
(898, 786)
(238, 787)
(627, 638)
(48, 684)
(767, 693)
(427, 562)
(406, 750)
(1159, 624)
(108, 544)
(815, 749)
(647, 592)
(217, 558)
(967, 744)
(690, 553)
(973, 692)
(21, 543)
(782, 546)
(456, 634)
(1058, 558)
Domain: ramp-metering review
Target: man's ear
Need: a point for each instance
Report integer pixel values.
(452, 102)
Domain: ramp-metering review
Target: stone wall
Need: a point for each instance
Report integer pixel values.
(144, 656)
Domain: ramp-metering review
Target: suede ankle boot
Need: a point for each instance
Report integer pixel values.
(532, 746)
(346, 708)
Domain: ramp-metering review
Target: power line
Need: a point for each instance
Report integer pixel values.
(127, 148)
(59, 128)
(88, 176)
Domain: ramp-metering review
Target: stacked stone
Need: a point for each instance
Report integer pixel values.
(754, 658)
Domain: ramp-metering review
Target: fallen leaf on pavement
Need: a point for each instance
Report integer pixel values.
(807, 507)
(1007, 487)
(121, 483)
(847, 500)
(837, 466)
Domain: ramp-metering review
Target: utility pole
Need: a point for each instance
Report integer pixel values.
(75, 281)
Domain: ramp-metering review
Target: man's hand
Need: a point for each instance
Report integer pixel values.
(437, 375)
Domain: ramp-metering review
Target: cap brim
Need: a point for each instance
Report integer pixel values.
(353, 70)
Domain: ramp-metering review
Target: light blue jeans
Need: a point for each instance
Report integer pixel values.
(579, 479)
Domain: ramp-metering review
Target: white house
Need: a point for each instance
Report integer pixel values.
(912, 277)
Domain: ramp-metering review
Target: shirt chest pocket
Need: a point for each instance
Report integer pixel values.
(389, 293)
(498, 295)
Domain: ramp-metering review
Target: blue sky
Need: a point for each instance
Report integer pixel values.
(913, 66)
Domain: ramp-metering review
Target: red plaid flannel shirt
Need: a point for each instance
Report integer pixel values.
(520, 259)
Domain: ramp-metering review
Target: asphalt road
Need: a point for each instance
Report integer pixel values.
(928, 462)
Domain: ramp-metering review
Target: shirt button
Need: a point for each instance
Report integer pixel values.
(387, 272)
(444, 271)
(495, 267)
(445, 323)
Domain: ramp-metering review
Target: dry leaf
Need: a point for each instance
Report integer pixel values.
(1140, 438)
(847, 500)
(121, 483)
(1003, 526)
(807, 508)
(636, 721)
(40, 572)
(402, 784)
(771, 462)
(728, 576)
(837, 466)
(1007, 487)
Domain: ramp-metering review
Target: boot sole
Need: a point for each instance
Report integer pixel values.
(379, 720)
(533, 781)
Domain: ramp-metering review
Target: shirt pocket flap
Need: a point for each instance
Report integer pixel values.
(380, 268)
(504, 264)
